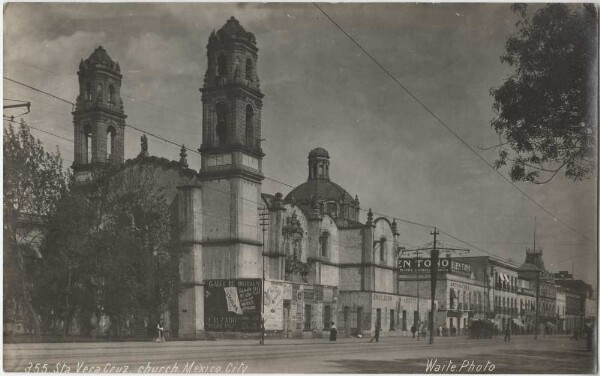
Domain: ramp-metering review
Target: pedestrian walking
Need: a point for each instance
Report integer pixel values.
(507, 334)
(160, 329)
(377, 329)
(440, 331)
(413, 329)
(333, 332)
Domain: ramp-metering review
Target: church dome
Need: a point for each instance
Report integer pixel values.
(323, 189)
(318, 152)
(99, 59)
(321, 194)
(99, 56)
(232, 30)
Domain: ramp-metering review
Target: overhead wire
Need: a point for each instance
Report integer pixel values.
(266, 177)
(441, 122)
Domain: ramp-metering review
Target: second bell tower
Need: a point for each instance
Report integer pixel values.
(231, 166)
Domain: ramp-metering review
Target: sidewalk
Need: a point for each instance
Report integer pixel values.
(269, 342)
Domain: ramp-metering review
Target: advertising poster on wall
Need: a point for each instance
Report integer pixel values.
(274, 295)
(232, 305)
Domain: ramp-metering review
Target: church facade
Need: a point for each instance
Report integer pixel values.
(315, 263)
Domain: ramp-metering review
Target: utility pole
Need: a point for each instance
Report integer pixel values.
(418, 302)
(537, 304)
(434, 251)
(263, 213)
(435, 256)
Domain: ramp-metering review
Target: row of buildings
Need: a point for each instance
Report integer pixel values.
(488, 288)
(315, 263)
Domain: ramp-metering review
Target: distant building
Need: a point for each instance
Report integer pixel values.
(542, 281)
(577, 293)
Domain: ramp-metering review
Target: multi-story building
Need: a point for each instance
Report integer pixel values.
(542, 284)
(459, 295)
(561, 309)
(501, 288)
(576, 294)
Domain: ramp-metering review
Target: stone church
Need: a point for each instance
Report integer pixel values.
(320, 263)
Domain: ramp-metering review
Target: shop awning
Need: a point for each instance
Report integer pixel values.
(518, 322)
(550, 325)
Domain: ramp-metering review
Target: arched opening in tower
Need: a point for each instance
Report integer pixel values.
(249, 126)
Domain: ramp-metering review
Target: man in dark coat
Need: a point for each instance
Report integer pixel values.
(333, 332)
(377, 330)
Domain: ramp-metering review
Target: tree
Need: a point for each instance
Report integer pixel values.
(111, 250)
(34, 180)
(545, 109)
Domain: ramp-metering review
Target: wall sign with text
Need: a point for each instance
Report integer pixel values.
(423, 265)
(232, 305)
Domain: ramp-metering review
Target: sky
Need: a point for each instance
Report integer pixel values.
(321, 90)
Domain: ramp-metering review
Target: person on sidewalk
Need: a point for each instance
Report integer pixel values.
(333, 332)
(160, 329)
(440, 331)
(507, 333)
(413, 329)
(377, 329)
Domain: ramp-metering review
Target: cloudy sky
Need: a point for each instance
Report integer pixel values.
(321, 90)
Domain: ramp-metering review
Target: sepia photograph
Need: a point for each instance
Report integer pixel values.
(401, 188)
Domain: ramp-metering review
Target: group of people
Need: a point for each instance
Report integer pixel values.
(419, 331)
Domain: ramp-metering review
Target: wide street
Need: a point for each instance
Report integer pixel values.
(556, 354)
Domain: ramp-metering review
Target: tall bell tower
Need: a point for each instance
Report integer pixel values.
(231, 165)
(98, 119)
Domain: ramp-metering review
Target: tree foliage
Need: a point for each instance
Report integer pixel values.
(544, 110)
(112, 251)
(34, 181)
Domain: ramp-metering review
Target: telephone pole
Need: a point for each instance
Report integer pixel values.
(263, 213)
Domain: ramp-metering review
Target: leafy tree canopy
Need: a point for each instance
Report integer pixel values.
(545, 109)
(111, 250)
(34, 181)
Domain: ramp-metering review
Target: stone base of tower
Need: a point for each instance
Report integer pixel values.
(191, 295)
(191, 312)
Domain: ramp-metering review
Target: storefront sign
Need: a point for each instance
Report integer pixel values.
(232, 305)
(423, 265)
(382, 297)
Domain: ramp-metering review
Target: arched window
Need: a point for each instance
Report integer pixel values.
(221, 130)
(89, 142)
(111, 94)
(324, 242)
(99, 92)
(249, 69)
(111, 134)
(221, 66)
(249, 126)
(382, 248)
(88, 91)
